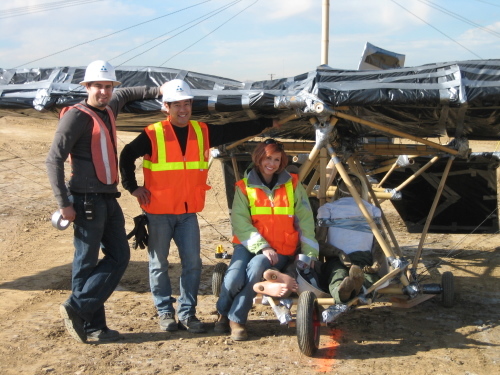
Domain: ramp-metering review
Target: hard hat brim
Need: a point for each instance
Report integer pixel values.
(176, 99)
(115, 83)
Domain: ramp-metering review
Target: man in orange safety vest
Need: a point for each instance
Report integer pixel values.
(175, 169)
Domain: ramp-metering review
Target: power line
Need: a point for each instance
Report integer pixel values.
(487, 2)
(205, 16)
(256, 1)
(22, 11)
(30, 179)
(439, 31)
(26, 161)
(113, 33)
(459, 17)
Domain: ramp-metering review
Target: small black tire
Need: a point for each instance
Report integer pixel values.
(308, 323)
(448, 287)
(218, 278)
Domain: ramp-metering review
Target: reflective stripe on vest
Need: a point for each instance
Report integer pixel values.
(266, 210)
(273, 217)
(102, 147)
(177, 180)
(163, 165)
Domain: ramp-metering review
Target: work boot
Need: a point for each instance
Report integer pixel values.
(238, 331)
(73, 322)
(358, 277)
(345, 289)
(192, 324)
(167, 322)
(222, 324)
(104, 335)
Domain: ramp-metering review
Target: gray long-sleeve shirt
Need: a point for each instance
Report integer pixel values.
(73, 137)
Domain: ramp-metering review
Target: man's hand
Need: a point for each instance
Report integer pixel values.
(271, 254)
(68, 213)
(142, 194)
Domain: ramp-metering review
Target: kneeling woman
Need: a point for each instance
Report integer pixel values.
(271, 219)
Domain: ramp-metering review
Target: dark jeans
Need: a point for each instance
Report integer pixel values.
(245, 270)
(94, 280)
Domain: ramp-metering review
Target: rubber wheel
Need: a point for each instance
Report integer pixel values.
(308, 323)
(218, 278)
(448, 286)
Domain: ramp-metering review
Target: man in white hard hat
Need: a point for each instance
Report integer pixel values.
(87, 132)
(175, 171)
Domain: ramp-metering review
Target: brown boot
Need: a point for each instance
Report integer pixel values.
(238, 331)
(358, 277)
(346, 288)
(222, 325)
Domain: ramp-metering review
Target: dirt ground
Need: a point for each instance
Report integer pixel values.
(35, 268)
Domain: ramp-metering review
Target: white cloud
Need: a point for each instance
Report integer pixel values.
(284, 9)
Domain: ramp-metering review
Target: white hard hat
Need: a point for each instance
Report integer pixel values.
(100, 70)
(176, 90)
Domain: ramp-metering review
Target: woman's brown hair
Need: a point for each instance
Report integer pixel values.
(266, 148)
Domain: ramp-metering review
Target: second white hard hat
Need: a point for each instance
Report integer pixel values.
(176, 90)
(100, 70)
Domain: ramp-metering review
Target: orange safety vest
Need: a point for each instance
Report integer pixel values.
(103, 148)
(274, 219)
(177, 182)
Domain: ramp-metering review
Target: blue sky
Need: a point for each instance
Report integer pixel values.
(249, 40)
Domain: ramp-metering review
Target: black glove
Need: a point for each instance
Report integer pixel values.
(140, 232)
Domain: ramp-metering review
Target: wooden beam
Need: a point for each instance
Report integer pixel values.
(395, 132)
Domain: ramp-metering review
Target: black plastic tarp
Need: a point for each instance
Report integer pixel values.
(467, 204)
(457, 99)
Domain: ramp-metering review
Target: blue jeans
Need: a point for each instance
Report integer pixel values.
(94, 280)
(185, 232)
(245, 270)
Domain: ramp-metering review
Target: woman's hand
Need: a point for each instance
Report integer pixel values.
(271, 254)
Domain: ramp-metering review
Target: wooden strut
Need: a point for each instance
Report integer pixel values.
(431, 212)
(322, 176)
(417, 173)
(311, 161)
(280, 122)
(382, 280)
(395, 132)
(389, 172)
(397, 149)
(331, 191)
(389, 195)
(345, 177)
(235, 168)
(307, 166)
(312, 182)
(373, 196)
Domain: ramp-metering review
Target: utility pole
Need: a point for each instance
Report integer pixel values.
(325, 31)
(271, 75)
